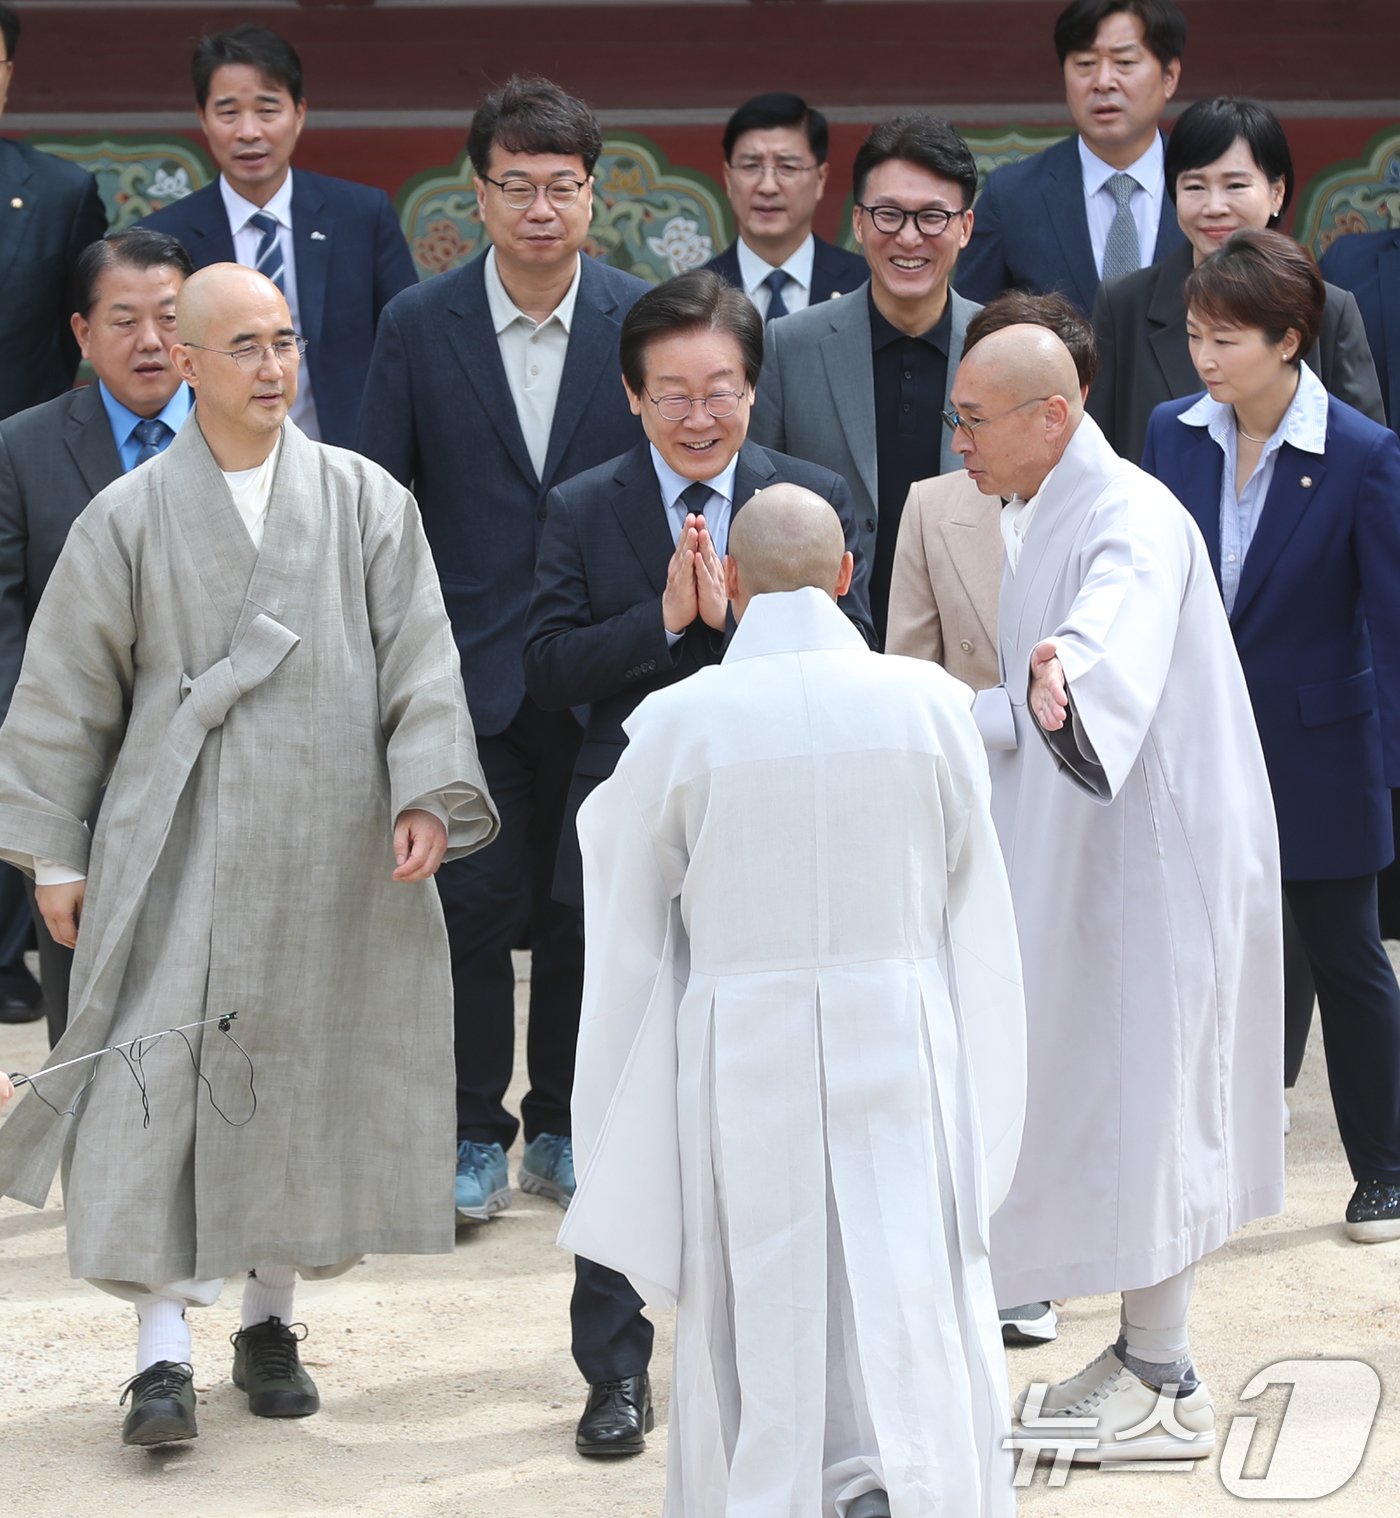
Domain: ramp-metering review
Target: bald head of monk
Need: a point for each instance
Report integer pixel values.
(785, 538)
(237, 350)
(1018, 399)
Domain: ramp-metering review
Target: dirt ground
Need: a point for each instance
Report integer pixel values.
(448, 1389)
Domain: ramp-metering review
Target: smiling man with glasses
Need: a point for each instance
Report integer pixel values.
(775, 172)
(858, 385)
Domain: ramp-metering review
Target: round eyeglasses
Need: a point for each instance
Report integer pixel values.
(286, 350)
(675, 408)
(519, 194)
(931, 221)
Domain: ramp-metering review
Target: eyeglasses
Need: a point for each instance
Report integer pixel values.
(286, 350)
(519, 194)
(930, 221)
(786, 171)
(952, 420)
(675, 408)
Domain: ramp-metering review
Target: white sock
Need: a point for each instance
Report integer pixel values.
(267, 1293)
(163, 1333)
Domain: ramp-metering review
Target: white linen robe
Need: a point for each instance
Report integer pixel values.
(800, 1072)
(264, 715)
(1143, 856)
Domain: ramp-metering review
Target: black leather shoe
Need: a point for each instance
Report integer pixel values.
(617, 1418)
(162, 1405)
(267, 1366)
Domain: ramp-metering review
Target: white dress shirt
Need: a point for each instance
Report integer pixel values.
(245, 249)
(533, 355)
(1146, 204)
(797, 293)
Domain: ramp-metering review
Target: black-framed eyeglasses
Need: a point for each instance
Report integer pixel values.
(675, 408)
(249, 358)
(952, 420)
(931, 221)
(786, 170)
(519, 194)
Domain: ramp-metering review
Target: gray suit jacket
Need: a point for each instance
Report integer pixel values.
(816, 395)
(53, 459)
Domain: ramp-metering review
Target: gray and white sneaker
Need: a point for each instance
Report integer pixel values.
(1030, 1323)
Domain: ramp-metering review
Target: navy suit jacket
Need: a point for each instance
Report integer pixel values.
(1369, 266)
(835, 271)
(440, 417)
(595, 636)
(351, 260)
(53, 459)
(1031, 231)
(49, 212)
(1317, 625)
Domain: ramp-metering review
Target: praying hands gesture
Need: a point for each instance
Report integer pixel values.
(1048, 695)
(694, 581)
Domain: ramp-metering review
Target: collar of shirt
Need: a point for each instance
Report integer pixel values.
(753, 270)
(125, 421)
(504, 311)
(1147, 170)
(1304, 424)
(884, 332)
(672, 484)
(239, 210)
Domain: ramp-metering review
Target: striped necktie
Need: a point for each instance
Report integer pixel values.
(1121, 253)
(269, 259)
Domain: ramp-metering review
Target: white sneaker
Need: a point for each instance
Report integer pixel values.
(1063, 1394)
(1031, 1323)
(1122, 1418)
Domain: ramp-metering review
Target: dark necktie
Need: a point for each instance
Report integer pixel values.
(1121, 253)
(777, 306)
(693, 500)
(269, 259)
(151, 435)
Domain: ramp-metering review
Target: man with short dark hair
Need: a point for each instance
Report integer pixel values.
(490, 385)
(334, 248)
(1093, 206)
(629, 597)
(857, 385)
(54, 458)
(775, 171)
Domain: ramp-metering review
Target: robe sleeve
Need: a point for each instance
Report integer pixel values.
(985, 981)
(69, 711)
(431, 746)
(626, 1212)
(1115, 644)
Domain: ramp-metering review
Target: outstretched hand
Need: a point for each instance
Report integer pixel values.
(420, 841)
(1048, 695)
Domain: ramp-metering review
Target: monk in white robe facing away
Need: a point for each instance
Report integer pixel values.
(245, 640)
(800, 1076)
(1134, 809)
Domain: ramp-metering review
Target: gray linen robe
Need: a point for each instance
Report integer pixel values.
(264, 715)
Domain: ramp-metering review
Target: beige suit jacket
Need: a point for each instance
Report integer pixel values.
(947, 578)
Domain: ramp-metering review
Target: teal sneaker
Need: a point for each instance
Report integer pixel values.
(547, 1167)
(483, 1182)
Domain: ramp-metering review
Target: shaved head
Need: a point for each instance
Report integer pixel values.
(1021, 362)
(786, 538)
(216, 295)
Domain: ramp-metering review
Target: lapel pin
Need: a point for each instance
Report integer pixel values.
(16, 204)
(836, 295)
(318, 237)
(1306, 482)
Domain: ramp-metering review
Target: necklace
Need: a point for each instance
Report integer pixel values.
(1246, 436)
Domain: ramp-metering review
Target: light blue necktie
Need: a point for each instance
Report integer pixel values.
(269, 260)
(151, 435)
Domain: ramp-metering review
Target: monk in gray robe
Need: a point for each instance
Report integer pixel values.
(245, 639)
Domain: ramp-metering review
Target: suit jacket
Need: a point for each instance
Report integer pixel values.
(1144, 358)
(439, 415)
(53, 459)
(49, 212)
(1369, 266)
(1031, 231)
(595, 636)
(351, 260)
(1324, 681)
(835, 271)
(816, 396)
(947, 578)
